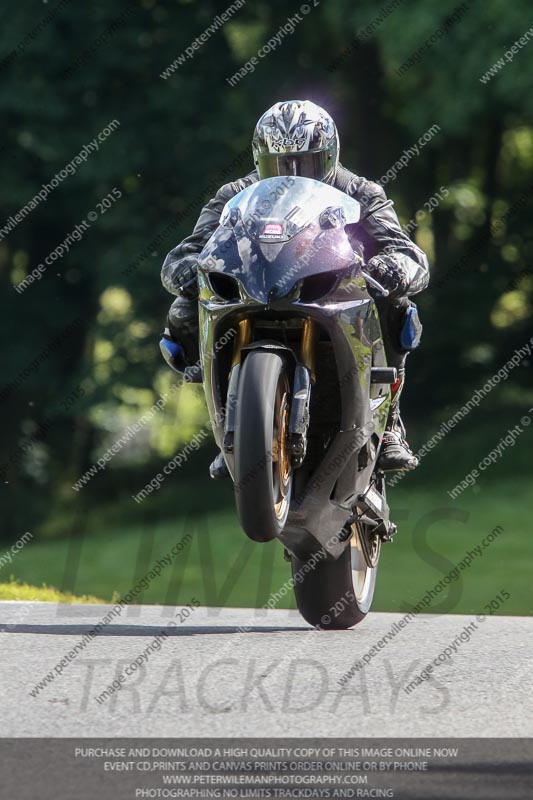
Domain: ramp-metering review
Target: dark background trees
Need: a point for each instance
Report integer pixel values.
(70, 69)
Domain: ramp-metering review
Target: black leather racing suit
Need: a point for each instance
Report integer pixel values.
(391, 257)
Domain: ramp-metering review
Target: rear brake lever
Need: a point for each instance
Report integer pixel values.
(375, 284)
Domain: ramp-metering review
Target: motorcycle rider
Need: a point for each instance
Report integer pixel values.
(297, 137)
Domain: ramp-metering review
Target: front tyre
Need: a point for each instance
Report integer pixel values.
(336, 595)
(263, 471)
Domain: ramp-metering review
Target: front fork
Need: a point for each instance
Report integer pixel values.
(243, 338)
(308, 346)
(304, 376)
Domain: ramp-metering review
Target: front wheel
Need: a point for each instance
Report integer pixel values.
(263, 471)
(338, 594)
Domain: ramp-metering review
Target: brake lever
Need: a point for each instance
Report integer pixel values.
(375, 284)
(181, 289)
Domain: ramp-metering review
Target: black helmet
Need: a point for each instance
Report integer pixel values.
(296, 137)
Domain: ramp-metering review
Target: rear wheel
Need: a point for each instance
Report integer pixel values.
(263, 471)
(338, 594)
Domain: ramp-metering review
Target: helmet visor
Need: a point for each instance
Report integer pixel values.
(316, 164)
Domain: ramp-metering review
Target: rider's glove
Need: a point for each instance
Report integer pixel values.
(389, 274)
(184, 276)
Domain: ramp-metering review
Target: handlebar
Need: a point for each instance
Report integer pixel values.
(375, 284)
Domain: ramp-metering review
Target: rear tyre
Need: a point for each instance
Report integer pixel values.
(336, 595)
(263, 472)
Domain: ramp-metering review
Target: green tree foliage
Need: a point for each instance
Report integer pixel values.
(68, 70)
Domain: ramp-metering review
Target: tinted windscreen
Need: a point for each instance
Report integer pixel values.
(270, 235)
(293, 202)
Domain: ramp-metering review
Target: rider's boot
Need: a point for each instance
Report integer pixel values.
(182, 336)
(179, 343)
(183, 326)
(395, 453)
(218, 469)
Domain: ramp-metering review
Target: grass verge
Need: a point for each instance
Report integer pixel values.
(14, 590)
(220, 567)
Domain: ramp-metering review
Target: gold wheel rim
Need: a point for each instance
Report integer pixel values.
(281, 463)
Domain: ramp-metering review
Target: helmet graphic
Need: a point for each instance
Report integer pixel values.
(296, 137)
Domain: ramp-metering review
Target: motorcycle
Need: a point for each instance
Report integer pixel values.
(298, 393)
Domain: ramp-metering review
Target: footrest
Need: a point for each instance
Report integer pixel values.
(387, 375)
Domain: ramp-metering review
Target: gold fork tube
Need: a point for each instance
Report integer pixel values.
(309, 340)
(244, 335)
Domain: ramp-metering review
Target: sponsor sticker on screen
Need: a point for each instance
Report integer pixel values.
(273, 229)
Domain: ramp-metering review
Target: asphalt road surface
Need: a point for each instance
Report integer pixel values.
(242, 672)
